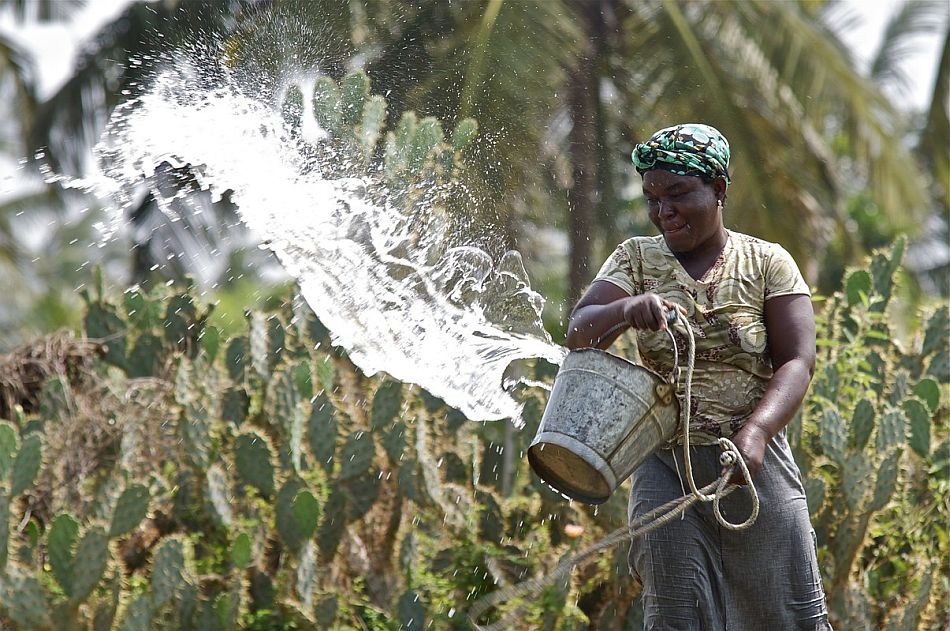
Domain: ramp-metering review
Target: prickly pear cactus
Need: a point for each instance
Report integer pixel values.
(253, 458)
(858, 472)
(130, 510)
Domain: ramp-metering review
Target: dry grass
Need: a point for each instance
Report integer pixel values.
(102, 420)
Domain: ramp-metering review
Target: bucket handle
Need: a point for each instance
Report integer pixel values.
(671, 317)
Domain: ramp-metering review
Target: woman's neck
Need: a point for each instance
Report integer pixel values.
(697, 261)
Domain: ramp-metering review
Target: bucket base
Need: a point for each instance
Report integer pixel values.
(571, 467)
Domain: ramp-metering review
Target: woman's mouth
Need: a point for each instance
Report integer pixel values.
(674, 229)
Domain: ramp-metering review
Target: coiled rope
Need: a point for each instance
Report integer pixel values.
(712, 492)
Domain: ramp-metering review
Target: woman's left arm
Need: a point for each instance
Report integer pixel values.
(790, 327)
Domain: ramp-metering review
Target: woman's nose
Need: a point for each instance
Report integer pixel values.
(666, 209)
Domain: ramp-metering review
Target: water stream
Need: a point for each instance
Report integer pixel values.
(401, 294)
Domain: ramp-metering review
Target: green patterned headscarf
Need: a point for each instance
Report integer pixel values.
(689, 149)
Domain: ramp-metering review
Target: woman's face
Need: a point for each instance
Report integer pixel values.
(684, 208)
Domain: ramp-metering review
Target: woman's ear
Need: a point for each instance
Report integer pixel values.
(719, 187)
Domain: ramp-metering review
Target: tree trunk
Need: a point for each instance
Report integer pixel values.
(584, 195)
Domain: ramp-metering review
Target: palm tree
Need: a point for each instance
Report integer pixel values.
(577, 83)
(774, 77)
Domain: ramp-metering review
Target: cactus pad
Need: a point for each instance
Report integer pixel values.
(4, 530)
(254, 461)
(394, 442)
(855, 474)
(886, 481)
(291, 110)
(362, 492)
(333, 524)
(862, 424)
(354, 91)
(236, 359)
(815, 493)
(833, 435)
(106, 608)
(241, 551)
(145, 358)
(927, 389)
(22, 599)
(26, 464)
(130, 510)
(166, 579)
(891, 431)
(59, 547)
(386, 404)
(919, 421)
(289, 514)
(219, 495)
(102, 323)
(357, 456)
(92, 556)
(322, 431)
(7, 447)
(464, 133)
(326, 105)
(325, 612)
(411, 612)
(235, 404)
(138, 615)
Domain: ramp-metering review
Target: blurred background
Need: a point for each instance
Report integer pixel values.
(837, 113)
(228, 467)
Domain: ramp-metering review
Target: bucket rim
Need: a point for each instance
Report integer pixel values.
(614, 358)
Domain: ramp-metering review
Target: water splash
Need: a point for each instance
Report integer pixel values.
(392, 289)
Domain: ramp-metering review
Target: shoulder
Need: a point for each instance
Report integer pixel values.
(773, 264)
(757, 246)
(635, 246)
(760, 254)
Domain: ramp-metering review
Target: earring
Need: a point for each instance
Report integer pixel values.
(719, 205)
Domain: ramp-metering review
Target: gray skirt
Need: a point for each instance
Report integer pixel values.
(697, 575)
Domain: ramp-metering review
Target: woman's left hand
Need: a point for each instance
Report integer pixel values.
(751, 441)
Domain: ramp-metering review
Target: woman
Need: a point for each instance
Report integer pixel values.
(753, 322)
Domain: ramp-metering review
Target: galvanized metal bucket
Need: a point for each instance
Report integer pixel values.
(605, 415)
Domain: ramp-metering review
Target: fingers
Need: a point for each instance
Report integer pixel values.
(649, 311)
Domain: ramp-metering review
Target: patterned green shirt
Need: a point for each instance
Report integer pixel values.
(726, 310)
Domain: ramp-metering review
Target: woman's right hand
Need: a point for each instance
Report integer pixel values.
(648, 311)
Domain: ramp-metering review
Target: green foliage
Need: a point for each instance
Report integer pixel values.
(130, 510)
(26, 464)
(138, 615)
(863, 483)
(22, 599)
(254, 461)
(92, 556)
(59, 546)
(8, 447)
(219, 495)
(297, 513)
(351, 473)
(241, 550)
(167, 578)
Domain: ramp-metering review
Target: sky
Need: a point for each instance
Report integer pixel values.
(55, 45)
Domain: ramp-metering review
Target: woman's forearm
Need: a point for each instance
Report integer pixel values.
(596, 326)
(782, 398)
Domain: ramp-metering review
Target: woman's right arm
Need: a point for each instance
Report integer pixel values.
(606, 311)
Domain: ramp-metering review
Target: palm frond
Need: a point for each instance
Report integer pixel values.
(935, 137)
(42, 10)
(17, 68)
(901, 39)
